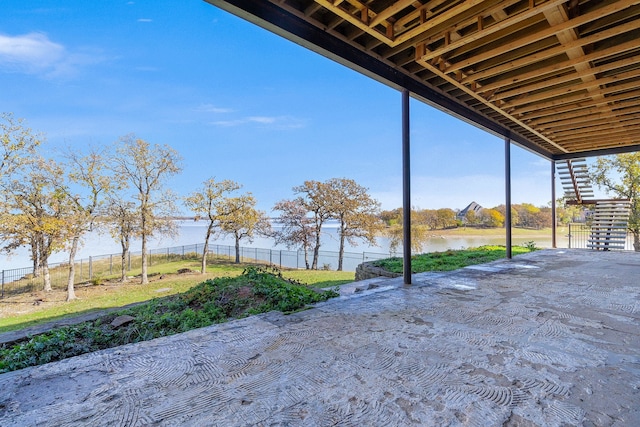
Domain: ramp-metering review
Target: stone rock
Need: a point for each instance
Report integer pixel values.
(122, 320)
(367, 270)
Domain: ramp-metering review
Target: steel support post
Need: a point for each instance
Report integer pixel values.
(554, 216)
(507, 182)
(406, 188)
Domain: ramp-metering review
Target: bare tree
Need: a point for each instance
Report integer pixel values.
(93, 181)
(121, 220)
(17, 144)
(146, 168)
(296, 228)
(205, 203)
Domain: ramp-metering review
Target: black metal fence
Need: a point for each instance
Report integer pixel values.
(98, 268)
(579, 237)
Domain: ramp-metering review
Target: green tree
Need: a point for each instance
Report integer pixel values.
(446, 218)
(491, 218)
(620, 176)
(515, 214)
(239, 217)
(392, 217)
(470, 217)
(356, 211)
(146, 168)
(419, 235)
(205, 203)
(568, 213)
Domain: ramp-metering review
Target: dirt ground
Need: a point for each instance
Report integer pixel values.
(32, 302)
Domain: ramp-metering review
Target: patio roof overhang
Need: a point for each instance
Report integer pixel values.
(560, 78)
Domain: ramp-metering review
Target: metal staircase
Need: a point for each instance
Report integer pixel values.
(609, 227)
(610, 217)
(575, 180)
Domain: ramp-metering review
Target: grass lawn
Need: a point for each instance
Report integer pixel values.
(34, 308)
(451, 259)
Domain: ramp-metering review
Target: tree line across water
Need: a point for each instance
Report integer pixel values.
(49, 205)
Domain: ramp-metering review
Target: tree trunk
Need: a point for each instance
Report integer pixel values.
(203, 268)
(636, 240)
(35, 258)
(306, 257)
(47, 276)
(144, 279)
(124, 243)
(71, 294)
(316, 253)
(237, 250)
(341, 249)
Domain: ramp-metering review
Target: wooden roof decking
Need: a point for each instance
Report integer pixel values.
(561, 78)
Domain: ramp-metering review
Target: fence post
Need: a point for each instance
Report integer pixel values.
(129, 253)
(90, 268)
(569, 235)
(280, 258)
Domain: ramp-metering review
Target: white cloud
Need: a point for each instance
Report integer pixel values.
(277, 122)
(34, 53)
(145, 20)
(210, 108)
(263, 120)
(30, 52)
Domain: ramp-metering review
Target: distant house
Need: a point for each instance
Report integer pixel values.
(473, 206)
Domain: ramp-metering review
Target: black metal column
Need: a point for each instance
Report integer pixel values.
(554, 217)
(406, 188)
(507, 182)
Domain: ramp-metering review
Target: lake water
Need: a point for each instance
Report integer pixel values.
(192, 232)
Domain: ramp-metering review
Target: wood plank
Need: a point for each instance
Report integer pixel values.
(571, 89)
(510, 21)
(560, 106)
(554, 68)
(491, 106)
(549, 32)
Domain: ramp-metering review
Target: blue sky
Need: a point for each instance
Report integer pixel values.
(239, 103)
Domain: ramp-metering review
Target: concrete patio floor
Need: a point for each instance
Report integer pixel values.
(549, 338)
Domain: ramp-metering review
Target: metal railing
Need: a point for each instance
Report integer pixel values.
(98, 268)
(579, 234)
